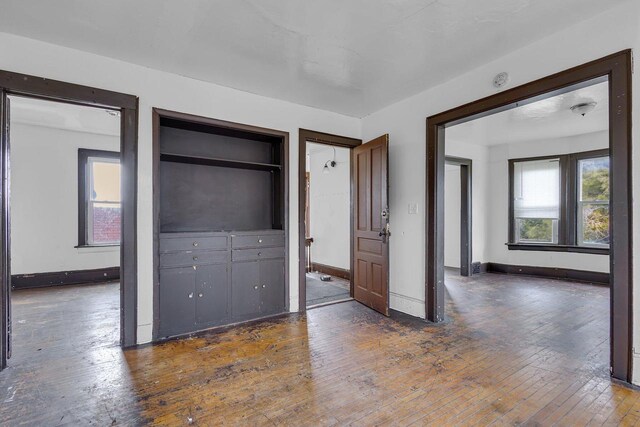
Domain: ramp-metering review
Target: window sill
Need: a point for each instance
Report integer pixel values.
(557, 248)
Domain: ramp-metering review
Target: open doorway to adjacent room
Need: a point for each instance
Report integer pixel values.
(328, 223)
(548, 213)
(65, 206)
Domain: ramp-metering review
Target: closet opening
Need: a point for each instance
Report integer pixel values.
(220, 196)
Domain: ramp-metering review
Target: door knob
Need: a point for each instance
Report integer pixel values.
(191, 295)
(200, 295)
(259, 240)
(255, 287)
(195, 244)
(195, 267)
(264, 286)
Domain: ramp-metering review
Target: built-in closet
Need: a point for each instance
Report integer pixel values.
(219, 200)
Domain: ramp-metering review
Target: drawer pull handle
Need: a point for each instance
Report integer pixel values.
(195, 267)
(200, 295)
(264, 286)
(195, 244)
(259, 240)
(195, 258)
(255, 287)
(191, 295)
(259, 253)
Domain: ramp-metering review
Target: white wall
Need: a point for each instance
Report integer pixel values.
(330, 201)
(499, 202)
(452, 216)
(173, 92)
(607, 33)
(44, 200)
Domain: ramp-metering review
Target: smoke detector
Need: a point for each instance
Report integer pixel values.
(584, 107)
(501, 80)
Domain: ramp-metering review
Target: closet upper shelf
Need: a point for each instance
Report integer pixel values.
(211, 161)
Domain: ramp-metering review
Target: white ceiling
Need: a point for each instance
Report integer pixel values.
(59, 115)
(353, 57)
(545, 119)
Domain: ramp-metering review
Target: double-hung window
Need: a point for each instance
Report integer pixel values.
(536, 201)
(99, 202)
(593, 202)
(560, 202)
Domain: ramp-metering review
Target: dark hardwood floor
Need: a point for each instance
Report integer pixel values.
(515, 351)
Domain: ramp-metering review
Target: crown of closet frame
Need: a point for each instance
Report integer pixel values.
(220, 201)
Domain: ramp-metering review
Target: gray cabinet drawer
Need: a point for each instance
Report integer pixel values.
(257, 254)
(257, 241)
(187, 258)
(191, 243)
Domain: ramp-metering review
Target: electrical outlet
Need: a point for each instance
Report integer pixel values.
(413, 208)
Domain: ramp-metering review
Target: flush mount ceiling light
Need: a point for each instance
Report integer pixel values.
(330, 163)
(584, 107)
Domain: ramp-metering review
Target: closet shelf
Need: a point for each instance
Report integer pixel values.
(210, 161)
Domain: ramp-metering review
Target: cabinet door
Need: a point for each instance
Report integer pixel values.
(212, 287)
(272, 286)
(177, 301)
(245, 290)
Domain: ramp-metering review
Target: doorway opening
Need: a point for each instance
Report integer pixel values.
(458, 253)
(71, 187)
(570, 200)
(65, 207)
(327, 212)
(368, 213)
(327, 219)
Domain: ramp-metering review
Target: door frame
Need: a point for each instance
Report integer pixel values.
(466, 216)
(617, 70)
(304, 136)
(53, 90)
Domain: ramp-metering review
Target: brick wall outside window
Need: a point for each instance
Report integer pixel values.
(106, 224)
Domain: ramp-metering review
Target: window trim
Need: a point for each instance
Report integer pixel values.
(83, 195)
(567, 223)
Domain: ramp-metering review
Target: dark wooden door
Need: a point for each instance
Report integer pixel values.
(371, 224)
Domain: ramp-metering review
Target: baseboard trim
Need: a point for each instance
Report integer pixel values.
(57, 278)
(332, 271)
(412, 306)
(550, 273)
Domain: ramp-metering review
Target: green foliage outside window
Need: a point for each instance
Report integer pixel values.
(536, 229)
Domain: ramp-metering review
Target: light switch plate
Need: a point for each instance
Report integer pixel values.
(413, 208)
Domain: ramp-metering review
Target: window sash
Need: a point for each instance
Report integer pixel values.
(90, 215)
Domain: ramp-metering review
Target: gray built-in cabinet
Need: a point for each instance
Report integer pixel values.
(221, 251)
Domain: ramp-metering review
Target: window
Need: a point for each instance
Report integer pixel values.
(593, 202)
(99, 203)
(560, 203)
(536, 202)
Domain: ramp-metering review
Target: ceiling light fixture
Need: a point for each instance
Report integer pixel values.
(584, 107)
(330, 163)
